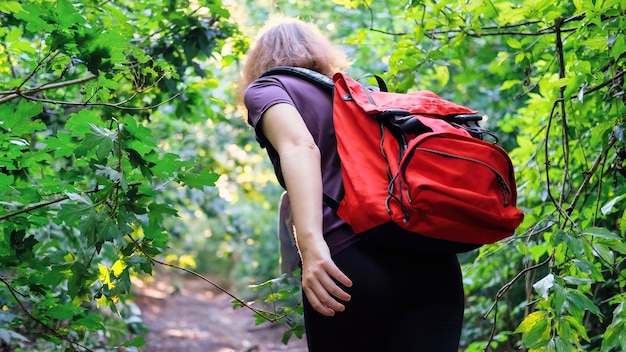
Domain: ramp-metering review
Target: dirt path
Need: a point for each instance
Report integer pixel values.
(187, 315)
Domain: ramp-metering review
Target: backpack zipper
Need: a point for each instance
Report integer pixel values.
(506, 191)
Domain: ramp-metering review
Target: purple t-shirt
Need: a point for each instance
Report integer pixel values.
(315, 105)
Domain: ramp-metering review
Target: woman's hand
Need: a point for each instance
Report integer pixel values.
(319, 279)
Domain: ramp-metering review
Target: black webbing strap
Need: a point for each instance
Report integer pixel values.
(304, 73)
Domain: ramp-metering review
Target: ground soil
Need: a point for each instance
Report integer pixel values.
(186, 314)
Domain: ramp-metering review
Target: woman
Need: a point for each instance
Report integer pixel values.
(358, 295)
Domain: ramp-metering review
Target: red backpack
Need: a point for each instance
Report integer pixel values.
(418, 161)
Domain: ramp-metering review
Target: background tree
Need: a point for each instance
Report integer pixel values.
(97, 101)
(549, 78)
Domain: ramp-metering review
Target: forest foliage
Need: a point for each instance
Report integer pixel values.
(122, 151)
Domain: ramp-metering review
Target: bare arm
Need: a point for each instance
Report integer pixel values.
(300, 161)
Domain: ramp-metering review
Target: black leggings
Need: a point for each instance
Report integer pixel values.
(401, 301)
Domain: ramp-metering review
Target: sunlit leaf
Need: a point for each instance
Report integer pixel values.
(531, 320)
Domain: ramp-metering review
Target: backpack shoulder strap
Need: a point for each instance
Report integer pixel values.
(304, 73)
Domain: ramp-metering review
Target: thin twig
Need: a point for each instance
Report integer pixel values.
(603, 84)
(590, 175)
(14, 293)
(501, 293)
(564, 128)
(32, 73)
(547, 159)
(257, 311)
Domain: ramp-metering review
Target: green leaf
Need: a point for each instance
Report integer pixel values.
(31, 14)
(19, 122)
(88, 227)
(102, 139)
(62, 144)
(442, 74)
(80, 124)
(575, 245)
(169, 164)
(563, 346)
(538, 335)
(614, 333)
(350, 4)
(10, 6)
(107, 229)
(110, 173)
(610, 205)
(136, 259)
(510, 84)
(530, 321)
(140, 132)
(589, 268)
(91, 322)
(578, 281)
(605, 253)
(581, 301)
(79, 197)
(108, 83)
(617, 246)
(578, 327)
(514, 43)
(138, 341)
(199, 180)
(5, 182)
(559, 296)
(159, 209)
(619, 47)
(65, 311)
(123, 282)
(14, 35)
(217, 9)
(67, 15)
(71, 213)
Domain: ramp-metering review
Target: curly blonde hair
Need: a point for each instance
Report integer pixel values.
(285, 41)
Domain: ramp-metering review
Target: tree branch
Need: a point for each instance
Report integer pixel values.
(26, 94)
(45, 204)
(564, 133)
(16, 93)
(32, 207)
(490, 30)
(119, 105)
(603, 84)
